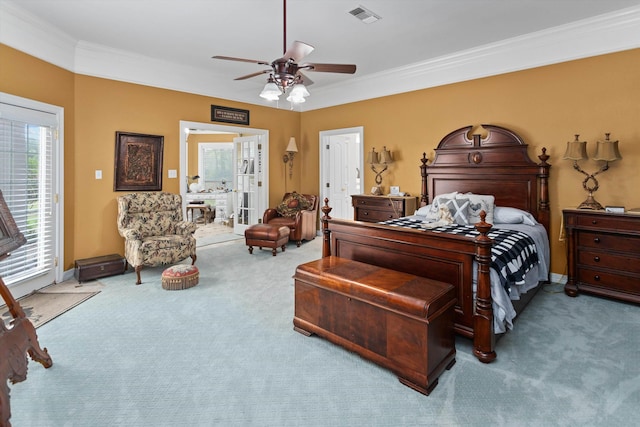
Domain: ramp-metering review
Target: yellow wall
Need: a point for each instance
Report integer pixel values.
(545, 106)
(95, 109)
(28, 77)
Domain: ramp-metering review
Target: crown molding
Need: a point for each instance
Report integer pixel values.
(600, 35)
(612, 32)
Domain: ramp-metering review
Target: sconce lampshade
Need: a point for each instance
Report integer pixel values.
(576, 150)
(292, 147)
(607, 150)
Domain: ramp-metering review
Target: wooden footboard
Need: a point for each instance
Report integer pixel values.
(435, 256)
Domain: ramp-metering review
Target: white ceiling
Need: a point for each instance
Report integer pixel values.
(416, 44)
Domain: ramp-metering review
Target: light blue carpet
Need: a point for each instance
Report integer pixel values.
(224, 353)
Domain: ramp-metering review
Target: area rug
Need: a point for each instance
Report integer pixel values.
(41, 307)
(209, 234)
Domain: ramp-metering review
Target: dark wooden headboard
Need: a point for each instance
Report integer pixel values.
(497, 164)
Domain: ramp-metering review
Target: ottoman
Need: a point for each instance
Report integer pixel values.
(181, 276)
(268, 236)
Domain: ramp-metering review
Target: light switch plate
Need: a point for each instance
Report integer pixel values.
(98, 174)
(173, 173)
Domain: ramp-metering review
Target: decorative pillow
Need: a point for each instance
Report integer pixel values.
(507, 215)
(477, 203)
(458, 209)
(433, 212)
(292, 204)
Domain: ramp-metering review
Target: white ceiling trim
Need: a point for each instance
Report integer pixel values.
(607, 33)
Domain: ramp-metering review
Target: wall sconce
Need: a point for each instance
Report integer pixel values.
(291, 150)
(605, 150)
(383, 159)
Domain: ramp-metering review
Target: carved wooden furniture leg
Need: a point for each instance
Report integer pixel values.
(21, 338)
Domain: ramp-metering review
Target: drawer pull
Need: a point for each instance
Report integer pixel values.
(594, 222)
(596, 258)
(596, 277)
(102, 267)
(365, 213)
(596, 240)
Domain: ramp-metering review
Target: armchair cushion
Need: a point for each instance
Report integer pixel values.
(292, 204)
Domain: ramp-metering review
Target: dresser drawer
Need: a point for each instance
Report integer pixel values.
(598, 259)
(614, 281)
(611, 222)
(615, 242)
(374, 215)
(377, 202)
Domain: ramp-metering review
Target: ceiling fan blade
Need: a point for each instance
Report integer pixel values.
(305, 80)
(231, 58)
(330, 68)
(257, 73)
(297, 51)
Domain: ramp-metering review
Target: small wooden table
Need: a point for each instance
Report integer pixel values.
(208, 214)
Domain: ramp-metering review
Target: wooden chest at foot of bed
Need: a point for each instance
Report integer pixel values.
(101, 266)
(397, 320)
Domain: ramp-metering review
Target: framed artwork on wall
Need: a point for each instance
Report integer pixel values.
(138, 162)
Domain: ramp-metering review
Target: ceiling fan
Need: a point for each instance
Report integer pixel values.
(286, 72)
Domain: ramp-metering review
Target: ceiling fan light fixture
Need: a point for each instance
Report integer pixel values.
(271, 91)
(298, 94)
(300, 90)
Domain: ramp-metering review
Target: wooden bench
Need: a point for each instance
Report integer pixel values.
(397, 320)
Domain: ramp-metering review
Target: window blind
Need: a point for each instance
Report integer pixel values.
(27, 137)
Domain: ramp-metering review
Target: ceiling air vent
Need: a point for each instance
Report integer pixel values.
(365, 15)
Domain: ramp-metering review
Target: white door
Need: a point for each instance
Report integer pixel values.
(341, 169)
(250, 197)
(30, 180)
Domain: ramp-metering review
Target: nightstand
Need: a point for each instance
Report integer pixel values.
(603, 256)
(382, 208)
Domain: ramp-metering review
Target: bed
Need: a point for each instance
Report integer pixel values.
(498, 165)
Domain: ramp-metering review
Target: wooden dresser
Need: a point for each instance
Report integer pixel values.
(381, 208)
(603, 256)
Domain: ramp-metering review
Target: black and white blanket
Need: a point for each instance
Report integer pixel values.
(513, 253)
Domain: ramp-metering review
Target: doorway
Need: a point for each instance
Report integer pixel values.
(261, 138)
(341, 163)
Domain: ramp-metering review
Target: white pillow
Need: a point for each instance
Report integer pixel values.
(424, 211)
(507, 215)
(477, 203)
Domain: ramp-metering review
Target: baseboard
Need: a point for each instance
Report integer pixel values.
(559, 278)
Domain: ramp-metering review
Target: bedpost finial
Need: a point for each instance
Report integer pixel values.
(326, 209)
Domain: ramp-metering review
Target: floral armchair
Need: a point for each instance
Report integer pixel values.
(297, 211)
(154, 231)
